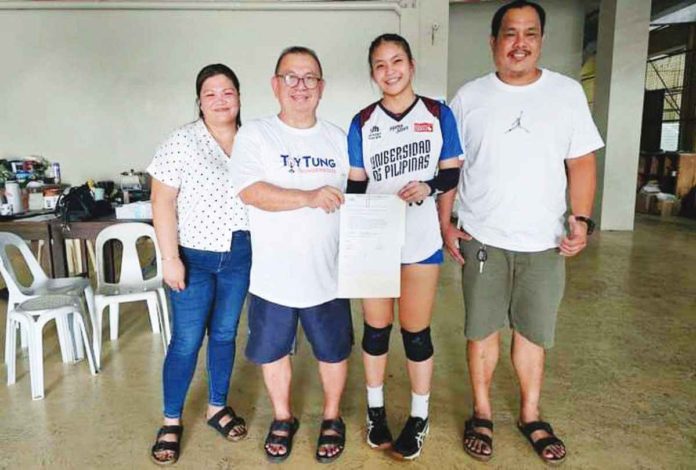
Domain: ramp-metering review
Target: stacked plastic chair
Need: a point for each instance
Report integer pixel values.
(30, 308)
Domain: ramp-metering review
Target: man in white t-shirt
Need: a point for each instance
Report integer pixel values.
(291, 169)
(522, 128)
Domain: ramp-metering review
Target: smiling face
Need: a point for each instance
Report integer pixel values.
(297, 100)
(219, 100)
(392, 69)
(517, 48)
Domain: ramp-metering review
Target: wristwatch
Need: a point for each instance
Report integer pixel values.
(590, 223)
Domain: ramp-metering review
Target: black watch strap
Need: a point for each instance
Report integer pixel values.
(590, 223)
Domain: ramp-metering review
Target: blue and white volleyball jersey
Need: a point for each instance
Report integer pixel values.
(395, 150)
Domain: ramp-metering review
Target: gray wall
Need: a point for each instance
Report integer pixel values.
(469, 31)
(98, 86)
(97, 90)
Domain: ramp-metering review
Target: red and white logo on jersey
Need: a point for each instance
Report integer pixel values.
(422, 126)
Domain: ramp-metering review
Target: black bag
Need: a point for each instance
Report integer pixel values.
(79, 204)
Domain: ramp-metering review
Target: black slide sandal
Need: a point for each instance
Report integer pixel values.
(174, 447)
(235, 422)
(290, 427)
(540, 445)
(339, 439)
(471, 433)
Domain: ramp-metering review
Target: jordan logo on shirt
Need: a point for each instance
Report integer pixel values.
(517, 124)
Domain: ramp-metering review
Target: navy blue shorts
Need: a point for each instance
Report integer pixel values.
(272, 329)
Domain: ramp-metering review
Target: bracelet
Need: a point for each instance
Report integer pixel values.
(170, 258)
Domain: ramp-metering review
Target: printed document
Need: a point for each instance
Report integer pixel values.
(372, 236)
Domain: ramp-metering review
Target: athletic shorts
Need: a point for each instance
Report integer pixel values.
(436, 258)
(272, 329)
(516, 289)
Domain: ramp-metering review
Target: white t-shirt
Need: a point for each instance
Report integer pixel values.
(512, 189)
(295, 260)
(394, 150)
(207, 208)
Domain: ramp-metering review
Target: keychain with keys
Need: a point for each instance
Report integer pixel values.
(482, 256)
(433, 29)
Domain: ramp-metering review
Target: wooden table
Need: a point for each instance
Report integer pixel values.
(54, 234)
(33, 231)
(83, 230)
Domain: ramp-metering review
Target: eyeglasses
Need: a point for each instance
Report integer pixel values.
(292, 80)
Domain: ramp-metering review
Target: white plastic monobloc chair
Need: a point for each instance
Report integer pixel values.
(132, 286)
(41, 285)
(31, 316)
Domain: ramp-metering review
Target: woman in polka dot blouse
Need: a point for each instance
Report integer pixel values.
(203, 232)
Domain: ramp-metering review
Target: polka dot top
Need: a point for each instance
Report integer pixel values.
(207, 211)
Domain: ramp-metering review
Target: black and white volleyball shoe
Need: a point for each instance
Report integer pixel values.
(409, 444)
(378, 434)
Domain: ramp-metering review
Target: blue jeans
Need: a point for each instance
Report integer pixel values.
(216, 286)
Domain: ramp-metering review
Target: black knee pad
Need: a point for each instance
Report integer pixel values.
(376, 340)
(418, 346)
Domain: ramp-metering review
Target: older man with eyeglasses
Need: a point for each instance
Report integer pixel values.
(291, 169)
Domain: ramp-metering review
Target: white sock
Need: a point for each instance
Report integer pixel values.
(375, 396)
(419, 405)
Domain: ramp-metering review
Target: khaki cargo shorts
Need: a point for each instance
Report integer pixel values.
(515, 289)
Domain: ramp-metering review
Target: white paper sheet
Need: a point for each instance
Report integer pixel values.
(372, 235)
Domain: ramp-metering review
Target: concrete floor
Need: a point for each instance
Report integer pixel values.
(620, 386)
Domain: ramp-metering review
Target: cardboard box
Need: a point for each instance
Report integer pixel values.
(645, 203)
(667, 208)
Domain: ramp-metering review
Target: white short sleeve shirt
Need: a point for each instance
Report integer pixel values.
(295, 252)
(512, 189)
(208, 210)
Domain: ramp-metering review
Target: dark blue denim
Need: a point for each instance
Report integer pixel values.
(272, 328)
(216, 286)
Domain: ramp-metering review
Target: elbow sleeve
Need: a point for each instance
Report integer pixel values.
(445, 180)
(356, 187)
